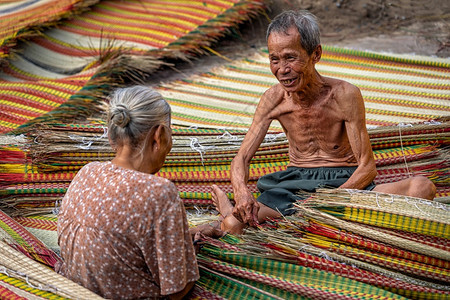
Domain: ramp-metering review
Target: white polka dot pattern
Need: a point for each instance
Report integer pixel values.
(124, 234)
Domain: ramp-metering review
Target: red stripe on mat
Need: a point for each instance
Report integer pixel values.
(37, 223)
(7, 294)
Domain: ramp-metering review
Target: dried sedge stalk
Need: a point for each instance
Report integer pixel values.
(374, 234)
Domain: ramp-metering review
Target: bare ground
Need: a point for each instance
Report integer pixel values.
(416, 27)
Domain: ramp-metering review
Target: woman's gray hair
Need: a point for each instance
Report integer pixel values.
(306, 24)
(132, 113)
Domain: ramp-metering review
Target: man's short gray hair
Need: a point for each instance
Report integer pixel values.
(132, 113)
(304, 21)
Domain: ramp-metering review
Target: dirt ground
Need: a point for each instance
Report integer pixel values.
(416, 27)
(402, 26)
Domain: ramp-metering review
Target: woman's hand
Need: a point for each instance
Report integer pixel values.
(202, 231)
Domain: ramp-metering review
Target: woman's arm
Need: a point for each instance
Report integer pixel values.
(173, 252)
(182, 293)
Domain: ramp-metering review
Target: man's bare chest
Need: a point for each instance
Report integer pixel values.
(314, 127)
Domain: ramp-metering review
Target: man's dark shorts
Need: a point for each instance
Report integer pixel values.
(279, 189)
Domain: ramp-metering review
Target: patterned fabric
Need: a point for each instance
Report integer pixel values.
(124, 234)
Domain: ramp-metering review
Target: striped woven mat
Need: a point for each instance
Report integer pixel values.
(43, 227)
(377, 258)
(23, 101)
(20, 20)
(396, 89)
(319, 242)
(114, 42)
(299, 258)
(24, 278)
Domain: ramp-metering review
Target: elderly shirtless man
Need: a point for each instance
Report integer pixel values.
(324, 121)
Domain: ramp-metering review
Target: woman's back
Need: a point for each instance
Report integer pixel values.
(123, 234)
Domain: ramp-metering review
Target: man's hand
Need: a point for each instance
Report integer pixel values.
(246, 209)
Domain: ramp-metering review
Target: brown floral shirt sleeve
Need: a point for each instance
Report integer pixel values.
(124, 234)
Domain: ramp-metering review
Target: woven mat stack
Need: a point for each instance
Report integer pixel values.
(211, 112)
(36, 173)
(341, 244)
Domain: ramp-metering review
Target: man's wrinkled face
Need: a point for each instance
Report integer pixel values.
(289, 62)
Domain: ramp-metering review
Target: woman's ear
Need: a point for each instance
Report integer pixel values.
(160, 137)
(157, 136)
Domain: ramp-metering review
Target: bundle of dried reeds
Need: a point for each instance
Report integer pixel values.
(47, 158)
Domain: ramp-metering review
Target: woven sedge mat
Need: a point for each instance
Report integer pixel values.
(248, 270)
(251, 261)
(127, 41)
(437, 242)
(385, 210)
(34, 279)
(21, 102)
(21, 20)
(376, 253)
(285, 240)
(395, 89)
(375, 234)
(264, 281)
(43, 227)
(178, 26)
(35, 175)
(158, 29)
(265, 277)
(22, 240)
(328, 237)
(26, 263)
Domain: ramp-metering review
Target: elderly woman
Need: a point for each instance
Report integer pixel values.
(123, 232)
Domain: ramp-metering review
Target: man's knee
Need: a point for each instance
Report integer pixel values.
(422, 187)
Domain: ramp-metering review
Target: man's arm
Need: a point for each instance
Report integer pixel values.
(355, 124)
(246, 207)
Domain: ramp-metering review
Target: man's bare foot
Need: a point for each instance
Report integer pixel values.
(221, 201)
(223, 205)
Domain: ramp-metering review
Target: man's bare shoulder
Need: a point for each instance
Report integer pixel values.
(270, 99)
(348, 98)
(342, 87)
(344, 93)
(274, 93)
